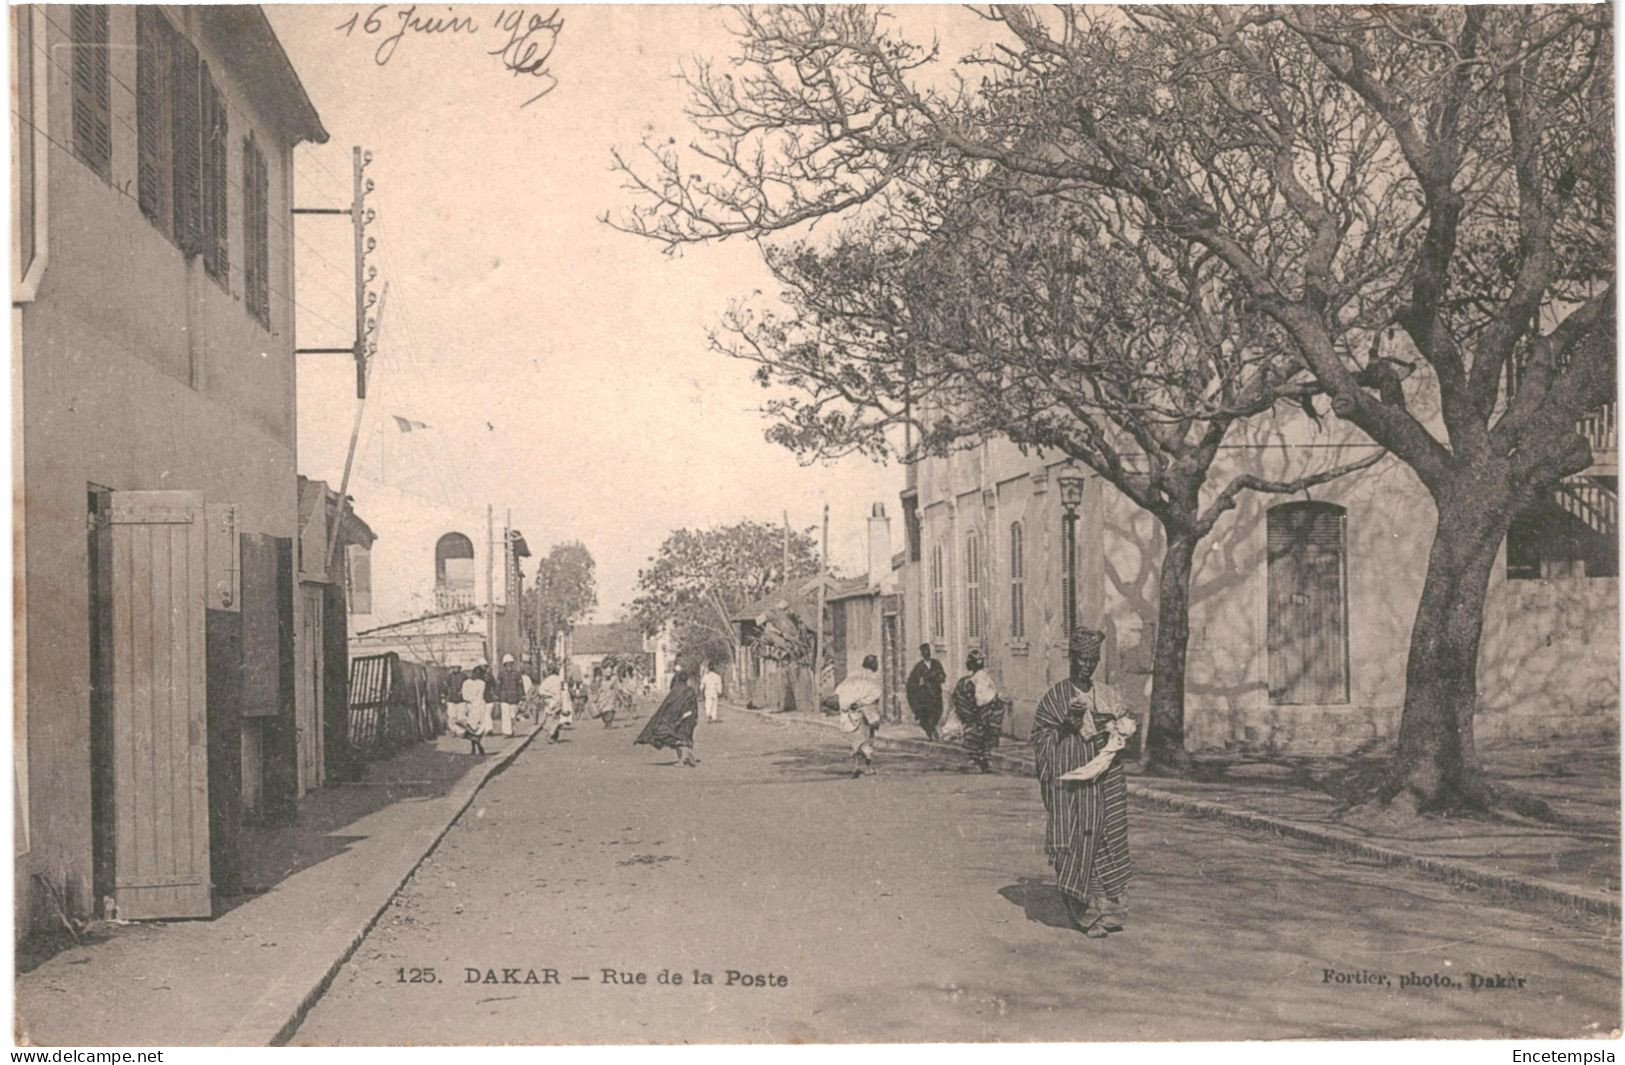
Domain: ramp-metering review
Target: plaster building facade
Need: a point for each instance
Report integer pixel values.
(420, 591)
(1301, 607)
(154, 400)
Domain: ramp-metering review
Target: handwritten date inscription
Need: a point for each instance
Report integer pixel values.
(523, 39)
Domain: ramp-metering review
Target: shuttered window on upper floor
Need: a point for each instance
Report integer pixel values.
(187, 145)
(358, 578)
(1308, 609)
(92, 103)
(256, 242)
(215, 238)
(180, 137)
(154, 59)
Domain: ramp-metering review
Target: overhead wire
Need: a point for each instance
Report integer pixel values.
(286, 228)
(413, 368)
(133, 199)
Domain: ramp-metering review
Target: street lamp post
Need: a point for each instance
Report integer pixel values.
(1069, 479)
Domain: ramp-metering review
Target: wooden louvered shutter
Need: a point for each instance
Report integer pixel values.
(187, 147)
(358, 578)
(154, 49)
(262, 237)
(254, 263)
(249, 264)
(148, 109)
(216, 241)
(1308, 646)
(92, 110)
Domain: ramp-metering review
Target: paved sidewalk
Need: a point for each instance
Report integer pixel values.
(1574, 866)
(246, 977)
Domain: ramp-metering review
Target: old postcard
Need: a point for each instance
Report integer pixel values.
(672, 524)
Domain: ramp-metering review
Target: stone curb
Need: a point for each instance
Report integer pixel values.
(1449, 870)
(275, 1021)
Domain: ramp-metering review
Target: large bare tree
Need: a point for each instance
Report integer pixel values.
(1433, 179)
(1064, 324)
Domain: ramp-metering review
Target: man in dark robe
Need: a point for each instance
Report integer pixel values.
(1086, 831)
(673, 723)
(925, 683)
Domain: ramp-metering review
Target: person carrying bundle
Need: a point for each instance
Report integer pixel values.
(857, 698)
(1086, 806)
(978, 705)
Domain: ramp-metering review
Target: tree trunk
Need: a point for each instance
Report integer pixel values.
(1165, 739)
(1436, 764)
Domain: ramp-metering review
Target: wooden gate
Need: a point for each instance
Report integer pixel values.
(160, 779)
(311, 679)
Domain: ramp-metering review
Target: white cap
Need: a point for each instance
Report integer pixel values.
(507, 659)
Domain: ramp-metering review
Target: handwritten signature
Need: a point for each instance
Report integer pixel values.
(528, 37)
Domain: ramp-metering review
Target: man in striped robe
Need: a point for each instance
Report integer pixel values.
(1086, 835)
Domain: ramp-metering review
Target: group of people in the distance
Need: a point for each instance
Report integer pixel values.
(1079, 726)
(480, 701)
(1078, 729)
(978, 707)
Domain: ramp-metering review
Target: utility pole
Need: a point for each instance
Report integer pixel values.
(510, 566)
(365, 344)
(361, 216)
(490, 591)
(349, 456)
(541, 634)
(818, 632)
(784, 567)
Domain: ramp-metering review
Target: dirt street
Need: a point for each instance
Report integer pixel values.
(912, 906)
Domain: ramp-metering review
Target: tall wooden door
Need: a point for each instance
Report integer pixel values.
(159, 741)
(1308, 641)
(309, 703)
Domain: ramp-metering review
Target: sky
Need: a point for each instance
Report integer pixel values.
(560, 366)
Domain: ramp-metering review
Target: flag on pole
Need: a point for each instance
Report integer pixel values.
(406, 425)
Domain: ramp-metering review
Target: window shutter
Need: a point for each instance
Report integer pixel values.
(187, 147)
(216, 239)
(262, 241)
(151, 86)
(92, 113)
(359, 574)
(250, 262)
(256, 260)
